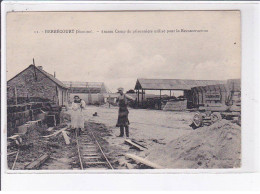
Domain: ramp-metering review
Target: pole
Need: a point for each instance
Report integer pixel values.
(138, 97)
(142, 98)
(160, 100)
(15, 95)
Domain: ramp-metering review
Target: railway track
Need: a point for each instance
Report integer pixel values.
(90, 153)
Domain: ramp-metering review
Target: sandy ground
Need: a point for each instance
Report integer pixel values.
(167, 137)
(151, 128)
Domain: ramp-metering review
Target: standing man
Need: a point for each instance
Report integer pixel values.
(122, 121)
(77, 117)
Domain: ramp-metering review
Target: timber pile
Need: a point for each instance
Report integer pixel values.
(175, 105)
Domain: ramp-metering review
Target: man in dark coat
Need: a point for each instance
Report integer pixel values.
(123, 112)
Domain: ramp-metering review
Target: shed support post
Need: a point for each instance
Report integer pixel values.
(138, 97)
(160, 103)
(142, 98)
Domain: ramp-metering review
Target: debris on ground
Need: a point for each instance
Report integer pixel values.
(215, 146)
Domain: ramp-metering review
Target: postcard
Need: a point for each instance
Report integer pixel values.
(123, 90)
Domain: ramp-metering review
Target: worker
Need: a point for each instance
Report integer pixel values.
(122, 121)
(77, 117)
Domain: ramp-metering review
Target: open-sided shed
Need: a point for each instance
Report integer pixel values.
(170, 85)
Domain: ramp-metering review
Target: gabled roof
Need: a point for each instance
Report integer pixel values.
(51, 77)
(173, 84)
(86, 87)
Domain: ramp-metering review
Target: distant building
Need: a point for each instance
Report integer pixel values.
(228, 93)
(35, 84)
(110, 98)
(90, 92)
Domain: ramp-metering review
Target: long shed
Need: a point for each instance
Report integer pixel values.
(90, 92)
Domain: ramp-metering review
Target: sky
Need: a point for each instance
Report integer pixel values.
(118, 59)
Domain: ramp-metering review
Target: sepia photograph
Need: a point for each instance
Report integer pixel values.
(123, 90)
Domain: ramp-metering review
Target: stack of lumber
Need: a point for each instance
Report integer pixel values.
(175, 105)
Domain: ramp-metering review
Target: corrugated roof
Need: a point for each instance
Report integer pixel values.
(85, 87)
(173, 84)
(83, 84)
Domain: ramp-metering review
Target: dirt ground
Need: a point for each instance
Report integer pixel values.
(167, 137)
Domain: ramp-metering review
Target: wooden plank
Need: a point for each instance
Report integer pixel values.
(143, 161)
(96, 168)
(38, 162)
(66, 137)
(50, 128)
(138, 143)
(91, 163)
(92, 157)
(11, 153)
(55, 133)
(15, 159)
(13, 137)
(91, 146)
(134, 144)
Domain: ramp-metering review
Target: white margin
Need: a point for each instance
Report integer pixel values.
(168, 178)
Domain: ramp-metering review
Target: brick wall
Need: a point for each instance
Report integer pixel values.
(31, 84)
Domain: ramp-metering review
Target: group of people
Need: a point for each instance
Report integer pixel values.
(77, 115)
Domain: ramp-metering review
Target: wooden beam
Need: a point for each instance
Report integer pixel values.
(160, 100)
(143, 161)
(66, 137)
(56, 133)
(97, 163)
(134, 144)
(11, 153)
(38, 162)
(50, 128)
(15, 159)
(142, 98)
(138, 97)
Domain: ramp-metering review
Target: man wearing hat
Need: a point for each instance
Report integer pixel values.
(122, 121)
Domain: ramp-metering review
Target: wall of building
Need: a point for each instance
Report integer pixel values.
(33, 83)
(88, 98)
(62, 96)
